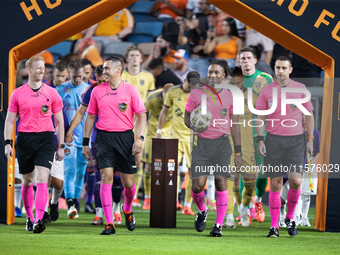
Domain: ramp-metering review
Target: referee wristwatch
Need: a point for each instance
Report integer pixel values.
(61, 146)
(140, 137)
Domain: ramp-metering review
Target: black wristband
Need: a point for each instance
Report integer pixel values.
(86, 141)
(9, 141)
(259, 138)
(237, 148)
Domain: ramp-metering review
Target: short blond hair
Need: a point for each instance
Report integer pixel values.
(31, 60)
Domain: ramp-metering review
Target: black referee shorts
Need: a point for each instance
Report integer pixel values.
(284, 154)
(211, 156)
(34, 149)
(114, 149)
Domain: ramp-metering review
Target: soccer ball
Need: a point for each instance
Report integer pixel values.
(198, 120)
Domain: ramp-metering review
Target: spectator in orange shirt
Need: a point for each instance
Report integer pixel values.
(169, 9)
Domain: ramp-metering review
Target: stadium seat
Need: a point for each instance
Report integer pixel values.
(116, 48)
(146, 47)
(153, 28)
(142, 7)
(138, 17)
(140, 38)
(61, 49)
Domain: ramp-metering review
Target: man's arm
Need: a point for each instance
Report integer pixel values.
(261, 148)
(236, 135)
(78, 117)
(90, 31)
(89, 122)
(9, 124)
(141, 126)
(179, 12)
(162, 118)
(310, 132)
(59, 125)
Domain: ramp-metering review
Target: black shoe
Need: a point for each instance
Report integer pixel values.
(89, 209)
(46, 218)
(291, 227)
(38, 227)
(29, 224)
(76, 204)
(273, 232)
(216, 231)
(54, 211)
(130, 222)
(201, 217)
(109, 230)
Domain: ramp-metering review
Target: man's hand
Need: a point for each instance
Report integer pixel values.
(309, 146)
(60, 154)
(158, 135)
(69, 138)
(238, 162)
(261, 149)
(137, 147)
(87, 153)
(8, 152)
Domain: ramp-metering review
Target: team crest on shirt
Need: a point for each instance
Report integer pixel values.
(257, 85)
(142, 82)
(122, 106)
(294, 106)
(44, 109)
(67, 151)
(223, 112)
(246, 101)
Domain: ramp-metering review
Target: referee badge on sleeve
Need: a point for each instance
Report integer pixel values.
(44, 109)
(122, 107)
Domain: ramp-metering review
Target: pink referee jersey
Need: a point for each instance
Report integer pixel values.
(283, 125)
(115, 108)
(220, 124)
(35, 108)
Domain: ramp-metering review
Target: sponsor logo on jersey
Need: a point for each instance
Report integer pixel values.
(44, 109)
(122, 106)
(67, 96)
(67, 151)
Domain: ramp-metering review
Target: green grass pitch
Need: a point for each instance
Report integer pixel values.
(78, 236)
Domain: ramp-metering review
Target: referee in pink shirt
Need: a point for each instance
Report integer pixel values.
(35, 102)
(115, 102)
(285, 145)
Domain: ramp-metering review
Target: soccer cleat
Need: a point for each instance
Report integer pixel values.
(38, 227)
(260, 215)
(216, 231)
(238, 218)
(200, 220)
(109, 229)
(230, 224)
(212, 205)
(29, 224)
(135, 202)
(187, 211)
(146, 205)
(252, 213)
(130, 222)
(291, 227)
(72, 212)
(244, 216)
(273, 232)
(305, 222)
(118, 218)
(17, 212)
(179, 206)
(46, 218)
(97, 221)
(250, 221)
(54, 211)
(89, 209)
